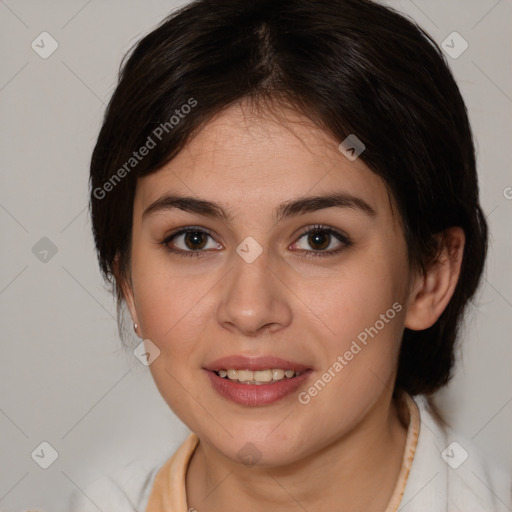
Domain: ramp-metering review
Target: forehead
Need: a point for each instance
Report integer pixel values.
(261, 158)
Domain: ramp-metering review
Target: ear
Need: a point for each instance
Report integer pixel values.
(125, 284)
(431, 292)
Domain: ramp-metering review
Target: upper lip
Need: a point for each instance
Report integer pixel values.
(239, 362)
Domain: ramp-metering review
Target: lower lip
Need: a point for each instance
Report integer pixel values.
(256, 394)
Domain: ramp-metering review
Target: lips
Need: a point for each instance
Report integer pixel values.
(251, 394)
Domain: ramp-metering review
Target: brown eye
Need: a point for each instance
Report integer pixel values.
(190, 242)
(319, 240)
(195, 240)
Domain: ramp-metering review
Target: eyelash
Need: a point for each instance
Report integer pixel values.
(309, 254)
(341, 237)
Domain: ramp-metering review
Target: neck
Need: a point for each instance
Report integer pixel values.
(356, 471)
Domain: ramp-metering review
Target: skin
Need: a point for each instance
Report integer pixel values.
(348, 439)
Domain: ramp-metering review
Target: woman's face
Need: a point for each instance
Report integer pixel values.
(247, 282)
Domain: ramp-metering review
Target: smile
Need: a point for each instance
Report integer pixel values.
(255, 381)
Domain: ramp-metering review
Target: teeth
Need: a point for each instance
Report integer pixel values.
(278, 374)
(243, 375)
(262, 375)
(258, 376)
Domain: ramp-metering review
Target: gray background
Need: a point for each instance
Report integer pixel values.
(64, 377)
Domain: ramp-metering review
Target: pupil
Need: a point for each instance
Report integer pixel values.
(320, 239)
(195, 238)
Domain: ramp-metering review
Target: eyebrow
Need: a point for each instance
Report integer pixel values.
(287, 209)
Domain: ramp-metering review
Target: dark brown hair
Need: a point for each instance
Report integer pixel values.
(352, 67)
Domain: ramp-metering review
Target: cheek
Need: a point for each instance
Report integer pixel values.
(359, 350)
(171, 312)
(165, 299)
(172, 315)
(352, 299)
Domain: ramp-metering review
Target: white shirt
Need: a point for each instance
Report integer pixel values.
(447, 474)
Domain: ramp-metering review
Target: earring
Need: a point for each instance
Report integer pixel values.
(135, 326)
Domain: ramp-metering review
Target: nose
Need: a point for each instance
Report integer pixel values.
(254, 298)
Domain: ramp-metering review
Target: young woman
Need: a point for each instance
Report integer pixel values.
(284, 195)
